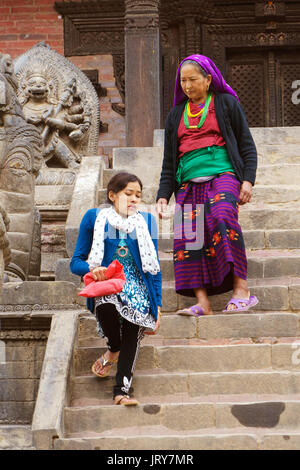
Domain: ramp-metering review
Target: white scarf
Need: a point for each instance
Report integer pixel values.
(146, 246)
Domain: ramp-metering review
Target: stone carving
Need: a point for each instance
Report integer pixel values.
(5, 253)
(61, 102)
(20, 159)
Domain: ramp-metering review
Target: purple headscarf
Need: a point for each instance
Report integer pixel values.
(218, 83)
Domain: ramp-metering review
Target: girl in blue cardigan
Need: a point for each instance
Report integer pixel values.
(121, 232)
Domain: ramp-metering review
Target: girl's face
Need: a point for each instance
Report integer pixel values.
(193, 83)
(126, 202)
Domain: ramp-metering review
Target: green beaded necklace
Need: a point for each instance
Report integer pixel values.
(203, 116)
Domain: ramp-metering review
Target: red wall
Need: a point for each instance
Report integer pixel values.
(23, 23)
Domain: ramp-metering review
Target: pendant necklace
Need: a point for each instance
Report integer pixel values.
(203, 112)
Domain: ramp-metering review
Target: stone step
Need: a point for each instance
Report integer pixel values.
(54, 294)
(136, 158)
(15, 437)
(275, 193)
(279, 173)
(269, 187)
(195, 356)
(278, 153)
(255, 325)
(160, 438)
(254, 239)
(273, 136)
(261, 264)
(90, 390)
(253, 217)
(274, 294)
(278, 412)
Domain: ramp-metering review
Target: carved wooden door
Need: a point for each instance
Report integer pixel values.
(264, 83)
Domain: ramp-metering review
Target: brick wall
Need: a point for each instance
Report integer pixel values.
(23, 23)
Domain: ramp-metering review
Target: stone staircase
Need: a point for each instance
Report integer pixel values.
(222, 382)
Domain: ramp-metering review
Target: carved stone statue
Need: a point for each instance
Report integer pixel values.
(21, 152)
(61, 102)
(5, 253)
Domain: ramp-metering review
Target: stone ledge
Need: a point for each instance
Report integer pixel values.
(52, 394)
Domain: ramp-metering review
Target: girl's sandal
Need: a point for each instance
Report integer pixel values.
(125, 400)
(105, 364)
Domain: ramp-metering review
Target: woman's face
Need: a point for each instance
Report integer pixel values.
(126, 202)
(193, 83)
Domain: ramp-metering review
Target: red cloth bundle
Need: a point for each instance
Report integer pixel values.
(114, 283)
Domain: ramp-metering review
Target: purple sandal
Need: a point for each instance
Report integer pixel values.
(194, 311)
(251, 302)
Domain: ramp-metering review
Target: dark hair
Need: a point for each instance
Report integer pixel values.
(118, 182)
(195, 64)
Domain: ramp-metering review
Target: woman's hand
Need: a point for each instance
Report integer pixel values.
(157, 324)
(245, 192)
(161, 207)
(99, 273)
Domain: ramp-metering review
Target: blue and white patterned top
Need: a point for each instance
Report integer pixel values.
(133, 301)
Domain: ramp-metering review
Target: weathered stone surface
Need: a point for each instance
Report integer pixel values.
(251, 325)
(194, 384)
(284, 441)
(253, 217)
(270, 414)
(278, 153)
(294, 292)
(53, 382)
(244, 382)
(281, 193)
(275, 136)
(278, 173)
(20, 160)
(15, 412)
(53, 196)
(286, 356)
(85, 357)
(214, 358)
(17, 390)
(15, 437)
(289, 238)
(39, 292)
(163, 442)
(63, 273)
(271, 297)
(172, 416)
(136, 158)
(85, 196)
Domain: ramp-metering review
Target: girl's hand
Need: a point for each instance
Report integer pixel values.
(99, 273)
(157, 325)
(161, 207)
(245, 192)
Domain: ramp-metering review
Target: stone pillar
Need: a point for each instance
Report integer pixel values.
(142, 71)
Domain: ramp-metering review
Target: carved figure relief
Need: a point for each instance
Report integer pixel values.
(5, 253)
(20, 159)
(61, 102)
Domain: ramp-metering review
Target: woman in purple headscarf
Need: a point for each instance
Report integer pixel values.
(210, 163)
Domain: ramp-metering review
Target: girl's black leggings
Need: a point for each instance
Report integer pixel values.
(126, 338)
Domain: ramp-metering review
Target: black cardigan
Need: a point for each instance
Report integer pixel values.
(234, 130)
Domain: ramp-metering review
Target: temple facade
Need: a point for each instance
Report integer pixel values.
(131, 49)
(255, 43)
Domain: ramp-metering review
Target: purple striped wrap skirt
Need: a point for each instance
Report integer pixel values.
(208, 242)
